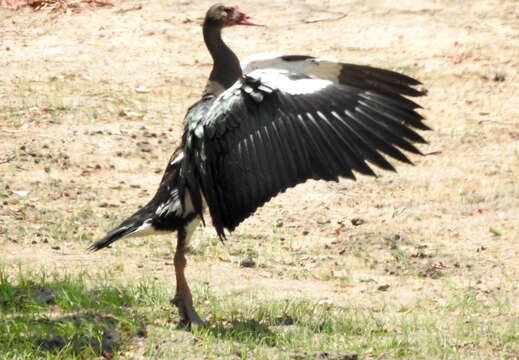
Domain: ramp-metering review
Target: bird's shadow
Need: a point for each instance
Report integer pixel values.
(243, 331)
(247, 330)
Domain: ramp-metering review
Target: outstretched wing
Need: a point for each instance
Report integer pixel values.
(275, 129)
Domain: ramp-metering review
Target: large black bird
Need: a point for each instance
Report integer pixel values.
(268, 126)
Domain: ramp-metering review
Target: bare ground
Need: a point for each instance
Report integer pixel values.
(91, 108)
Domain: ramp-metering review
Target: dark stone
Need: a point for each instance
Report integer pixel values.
(285, 320)
(110, 341)
(357, 221)
(248, 263)
(44, 296)
(142, 331)
(341, 355)
(94, 344)
(499, 77)
(54, 343)
(325, 355)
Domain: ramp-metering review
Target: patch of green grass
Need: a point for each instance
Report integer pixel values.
(245, 328)
(284, 329)
(52, 316)
(70, 317)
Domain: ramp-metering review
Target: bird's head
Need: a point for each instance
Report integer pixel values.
(225, 16)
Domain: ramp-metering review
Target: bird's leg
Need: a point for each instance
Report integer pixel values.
(183, 299)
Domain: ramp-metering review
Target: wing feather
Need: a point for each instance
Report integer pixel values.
(363, 150)
(275, 159)
(391, 120)
(291, 135)
(352, 161)
(321, 159)
(386, 136)
(375, 141)
(286, 149)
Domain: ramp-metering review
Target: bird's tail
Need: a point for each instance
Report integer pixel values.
(145, 221)
(139, 224)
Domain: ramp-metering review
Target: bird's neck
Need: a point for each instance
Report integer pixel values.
(226, 66)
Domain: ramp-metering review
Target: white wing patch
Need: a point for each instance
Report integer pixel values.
(318, 68)
(171, 206)
(280, 79)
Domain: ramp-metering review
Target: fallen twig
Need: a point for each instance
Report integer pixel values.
(7, 158)
(311, 21)
(123, 11)
(436, 152)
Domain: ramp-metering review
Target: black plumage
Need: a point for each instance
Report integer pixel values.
(277, 123)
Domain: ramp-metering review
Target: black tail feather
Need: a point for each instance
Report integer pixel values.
(135, 225)
(118, 233)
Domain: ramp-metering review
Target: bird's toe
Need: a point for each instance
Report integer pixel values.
(188, 314)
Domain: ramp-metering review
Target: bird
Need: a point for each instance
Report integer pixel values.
(266, 125)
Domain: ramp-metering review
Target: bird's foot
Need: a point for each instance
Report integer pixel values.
(188, 314)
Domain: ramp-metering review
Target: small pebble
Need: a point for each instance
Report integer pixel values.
(248, 263)
(384, 287)
(357, 221)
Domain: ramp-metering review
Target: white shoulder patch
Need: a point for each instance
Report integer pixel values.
(318, 68)
(279, 79)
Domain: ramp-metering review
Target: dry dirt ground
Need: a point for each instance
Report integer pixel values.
(91, 107)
